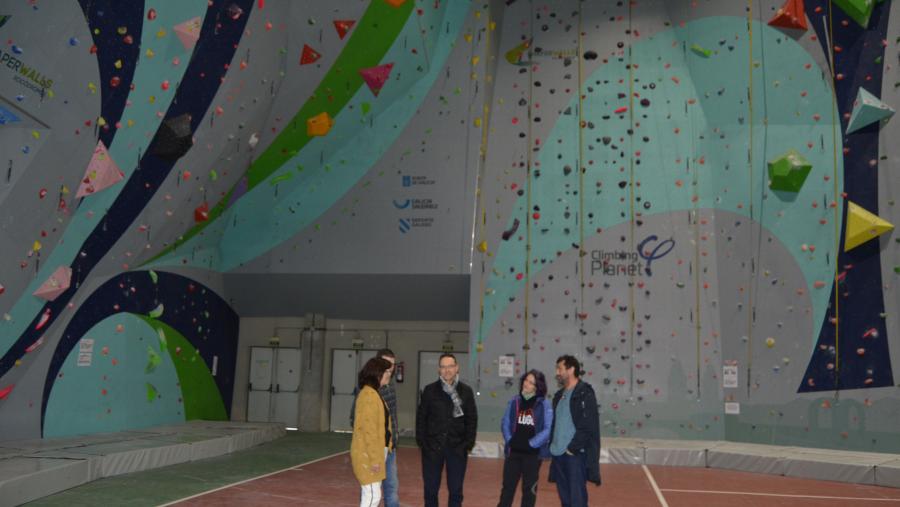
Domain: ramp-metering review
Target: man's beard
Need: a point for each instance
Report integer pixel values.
(560, 381)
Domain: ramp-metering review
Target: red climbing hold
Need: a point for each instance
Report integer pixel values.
(309, 55)
(201, 213)
(343, 26)
(790, 15)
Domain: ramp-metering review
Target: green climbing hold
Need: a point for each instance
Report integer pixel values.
(858, 10)
(151, 392)
(157, 312)
(153, 360)
(788, 172)
(163, 343)
(700, 51)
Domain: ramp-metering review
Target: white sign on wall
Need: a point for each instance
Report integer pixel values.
(85, 351)
(730, 376)
(506, 366)
(732, 408)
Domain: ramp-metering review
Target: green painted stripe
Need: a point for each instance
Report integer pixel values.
(199, 392)
(369, 42)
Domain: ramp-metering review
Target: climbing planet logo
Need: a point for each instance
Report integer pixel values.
(627, 263)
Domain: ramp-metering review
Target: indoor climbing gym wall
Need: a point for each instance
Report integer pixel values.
(152, 148)
(692, 197)
(696, 200)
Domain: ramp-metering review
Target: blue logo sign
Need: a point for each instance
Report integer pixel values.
(407, 181)
(404, 226)
(402, 204)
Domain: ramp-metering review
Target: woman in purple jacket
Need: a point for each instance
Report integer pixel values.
(526, 433)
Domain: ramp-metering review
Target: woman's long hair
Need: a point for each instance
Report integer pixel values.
(540, 383)
(371, 373)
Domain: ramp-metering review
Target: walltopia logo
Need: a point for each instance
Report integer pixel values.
(623, 262)
(25, 75)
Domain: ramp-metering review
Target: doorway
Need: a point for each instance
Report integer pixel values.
(345, 366)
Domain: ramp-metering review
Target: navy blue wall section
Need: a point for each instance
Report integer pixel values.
(105, 18)
(219, 38)
(835, 362)
(195, 311)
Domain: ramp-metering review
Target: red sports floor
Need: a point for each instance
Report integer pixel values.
(330, 482)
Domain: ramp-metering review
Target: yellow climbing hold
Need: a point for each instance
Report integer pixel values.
(863, 226)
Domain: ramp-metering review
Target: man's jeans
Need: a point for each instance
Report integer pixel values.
(571, 483)
(390, 484)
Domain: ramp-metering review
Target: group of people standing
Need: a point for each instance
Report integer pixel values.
(566, 431)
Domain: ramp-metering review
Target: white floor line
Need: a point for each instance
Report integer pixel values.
(784, 495)
(659, 495)
(293, 467)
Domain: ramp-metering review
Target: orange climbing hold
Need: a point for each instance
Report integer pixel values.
(790, 15)
(319, 125)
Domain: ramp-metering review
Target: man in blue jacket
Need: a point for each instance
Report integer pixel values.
(575, 444)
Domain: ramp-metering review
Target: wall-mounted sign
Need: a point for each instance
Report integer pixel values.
(85, 351)
(730, 376)
(506, 366)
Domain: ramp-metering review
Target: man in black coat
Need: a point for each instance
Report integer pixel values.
(446, 424)
(575, 437)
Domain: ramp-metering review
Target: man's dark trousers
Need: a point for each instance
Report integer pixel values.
(432, 469)
(571, 483)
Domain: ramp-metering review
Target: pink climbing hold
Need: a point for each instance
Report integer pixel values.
(375, 77)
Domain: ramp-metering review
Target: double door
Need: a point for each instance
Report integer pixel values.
(274, 385)
(345, 367)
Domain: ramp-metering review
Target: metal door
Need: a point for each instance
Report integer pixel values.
(345, 367)
(259, 398)
(286, 396)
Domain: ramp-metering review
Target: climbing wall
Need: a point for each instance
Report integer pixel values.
(693, 197)
(149, 147)
(685, 196)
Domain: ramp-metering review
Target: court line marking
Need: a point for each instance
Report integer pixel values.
(784, 495)
(659, 495)
(292, 467)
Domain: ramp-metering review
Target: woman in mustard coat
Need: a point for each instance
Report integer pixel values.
(371, 431)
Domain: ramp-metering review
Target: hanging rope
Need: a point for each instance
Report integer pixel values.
(750, 169)
(528, 191)
(479, 182)
(580, 165)
(835, 122)
(631, 314)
